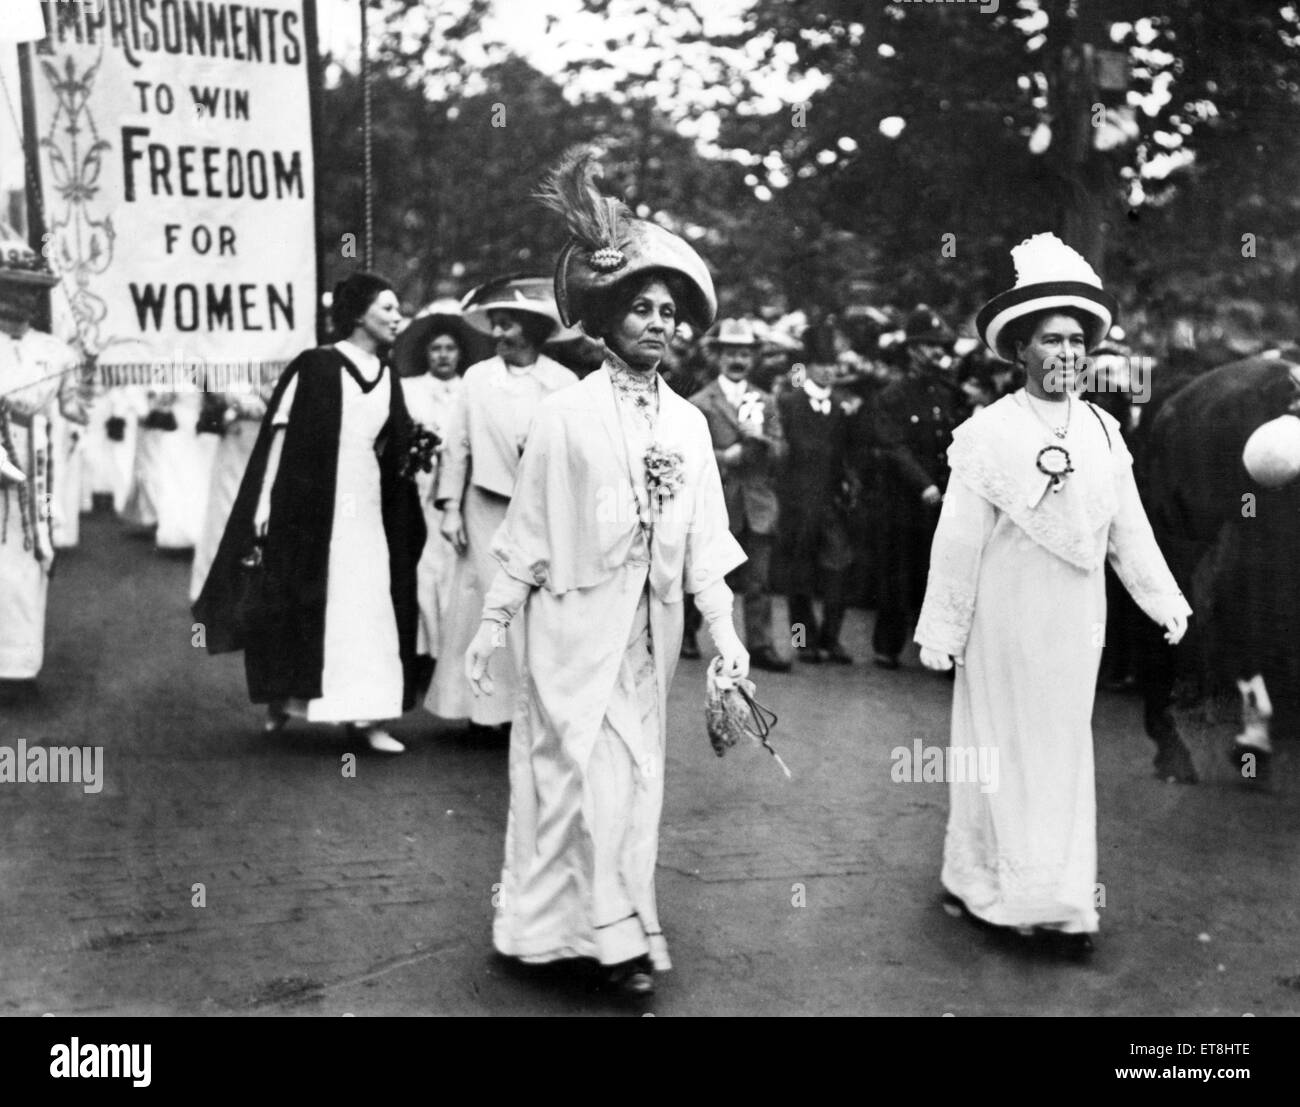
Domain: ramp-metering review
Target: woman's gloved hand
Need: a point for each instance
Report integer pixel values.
(937, 660)
(489, 636)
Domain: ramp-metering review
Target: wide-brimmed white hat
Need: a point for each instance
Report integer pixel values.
(1049, 274)
(533, 295)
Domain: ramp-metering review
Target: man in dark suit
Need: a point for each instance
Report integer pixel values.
(749, 446)
(816, 484)
(915, 417)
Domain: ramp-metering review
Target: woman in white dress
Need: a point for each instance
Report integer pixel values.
(618, 510)
(1042, 493)
(431, 397)
(486, 435)
(38, 375)
(241, 414)
(329, 501)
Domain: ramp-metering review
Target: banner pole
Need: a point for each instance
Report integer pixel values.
(36, 228)
(315, 90)
(368, 186)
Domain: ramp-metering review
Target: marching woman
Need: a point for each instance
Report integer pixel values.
(617, 511)
(328, 505)
(38, 377)
(1041, 495)
(438, 338)
(486, 433)
(237, 419)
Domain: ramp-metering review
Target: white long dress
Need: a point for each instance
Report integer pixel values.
(429, 401)
(488, 430)
(108, 467)
(232, 453)
(69, 450)
(602, 622)
(32, 369)
(362, 677)
(1019, 592)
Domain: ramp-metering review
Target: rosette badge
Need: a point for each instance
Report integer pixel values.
(1054, 463)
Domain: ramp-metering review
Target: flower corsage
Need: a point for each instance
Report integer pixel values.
(421, 450)
(664, 473)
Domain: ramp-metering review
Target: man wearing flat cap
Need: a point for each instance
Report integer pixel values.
(914, 421)
(749, 445)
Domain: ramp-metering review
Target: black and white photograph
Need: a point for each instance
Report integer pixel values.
(623, 508)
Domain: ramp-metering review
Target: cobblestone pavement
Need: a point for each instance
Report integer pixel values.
(326, 894)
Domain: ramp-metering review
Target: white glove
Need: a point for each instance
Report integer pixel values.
(490, 636)
(715, 604)
(937, 660)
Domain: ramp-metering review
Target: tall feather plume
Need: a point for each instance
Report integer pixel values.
(570, 189)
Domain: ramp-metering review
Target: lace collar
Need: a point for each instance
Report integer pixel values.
(994, 454)
(636, 390)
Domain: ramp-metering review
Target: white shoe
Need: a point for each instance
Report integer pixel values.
(383, 742)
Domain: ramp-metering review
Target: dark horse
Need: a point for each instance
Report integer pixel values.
(1232, 544)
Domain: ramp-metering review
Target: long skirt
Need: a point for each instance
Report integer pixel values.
(582, 836)
(24, 585)
(362, 677)
(450, 696)
(1021, 846)
(233, 452)
(434, 575)
(68, 449)
(141, 506)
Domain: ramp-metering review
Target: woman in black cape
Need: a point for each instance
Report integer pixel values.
(328, 622)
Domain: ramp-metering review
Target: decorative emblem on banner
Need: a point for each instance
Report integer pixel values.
(82, 246)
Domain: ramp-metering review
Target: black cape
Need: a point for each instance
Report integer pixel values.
(285, 657)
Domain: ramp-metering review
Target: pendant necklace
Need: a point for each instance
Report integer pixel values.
(1053, 460)
(1059, 432)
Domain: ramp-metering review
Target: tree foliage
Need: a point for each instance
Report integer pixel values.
(994, 129)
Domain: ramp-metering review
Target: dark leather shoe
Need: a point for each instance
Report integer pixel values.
(808, 655)
(690, 648)
(884, 661)
(635, 978)
(765, 658)
(1068, 947)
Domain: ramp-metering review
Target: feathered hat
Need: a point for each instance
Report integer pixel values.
(609, 244)
(1049, 274)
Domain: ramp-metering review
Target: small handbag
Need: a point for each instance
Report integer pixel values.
(248, 597)
(116, 428)
(731, 713)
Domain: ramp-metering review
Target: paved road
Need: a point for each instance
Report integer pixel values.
(327, 894)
